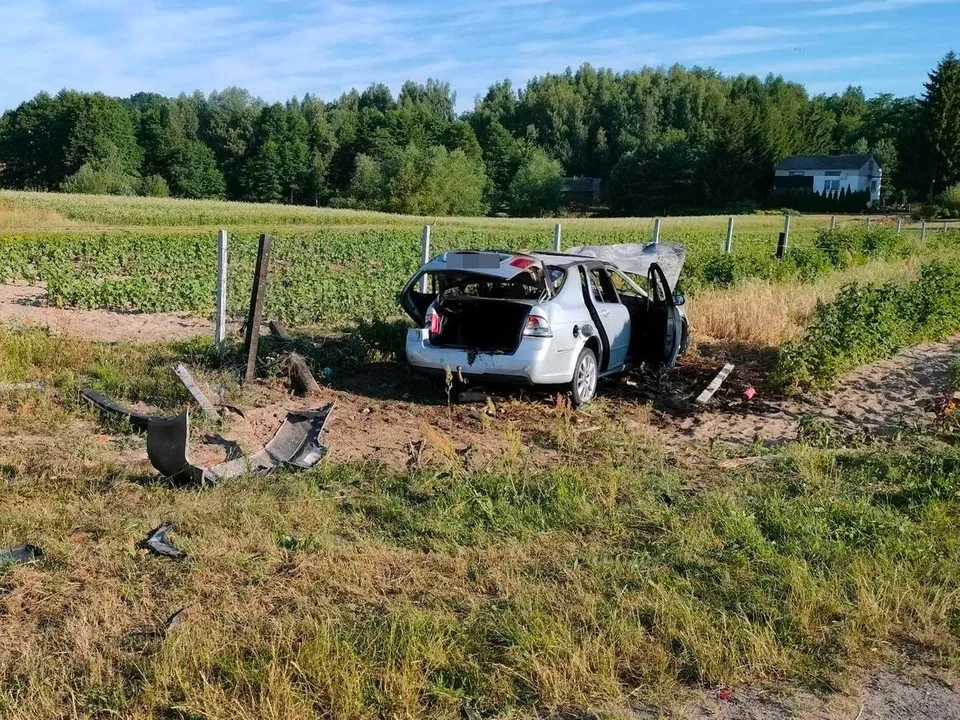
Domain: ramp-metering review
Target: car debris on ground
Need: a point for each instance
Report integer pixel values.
(296, 446)
(181, 371)
(297, 369)
(108, 406)
(708, 392)
(37, 385)
(158, 542)
(25, 553)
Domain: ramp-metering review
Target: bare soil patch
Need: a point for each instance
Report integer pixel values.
(27, 306)
(915, 692)
(882, 398)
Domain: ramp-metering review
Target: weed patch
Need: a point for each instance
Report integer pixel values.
(870, 322)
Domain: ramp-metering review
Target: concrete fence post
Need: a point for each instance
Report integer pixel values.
(899, 224)
(923, 230)
(869, 221)
(656, 230)
(728, 244)
(786, 232)
(944, 228)
(833, 222)
(424, 255)
(220, 319)
(556, 237)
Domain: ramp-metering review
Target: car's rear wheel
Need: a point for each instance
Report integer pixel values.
(585, 375)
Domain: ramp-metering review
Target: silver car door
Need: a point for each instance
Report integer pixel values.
(614, 316)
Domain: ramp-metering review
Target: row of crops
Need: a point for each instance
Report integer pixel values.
(331, 275)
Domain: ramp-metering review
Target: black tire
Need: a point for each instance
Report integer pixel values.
(586, 375)
(685, 338)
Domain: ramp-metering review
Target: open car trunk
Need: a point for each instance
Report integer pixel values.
(482, 298)
(481, 324)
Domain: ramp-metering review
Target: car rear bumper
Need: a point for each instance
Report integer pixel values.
(535, 361)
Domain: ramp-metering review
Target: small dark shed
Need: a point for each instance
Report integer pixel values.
(580, 191)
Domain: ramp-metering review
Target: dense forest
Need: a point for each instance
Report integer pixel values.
(662, 140)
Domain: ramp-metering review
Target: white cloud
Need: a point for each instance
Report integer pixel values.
(279, 48)
(869, 7)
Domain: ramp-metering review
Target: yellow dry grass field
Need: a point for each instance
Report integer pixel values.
(768, 313)
(16, 215)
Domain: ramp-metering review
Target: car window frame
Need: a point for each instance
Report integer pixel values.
(599, 267)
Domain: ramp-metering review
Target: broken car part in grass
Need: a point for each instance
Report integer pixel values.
(21, 554)
(296, 446)
(158, 542)
(115, 409)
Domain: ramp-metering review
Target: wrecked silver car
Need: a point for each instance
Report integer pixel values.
(547, 318)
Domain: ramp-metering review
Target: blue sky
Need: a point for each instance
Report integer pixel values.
(279, 48)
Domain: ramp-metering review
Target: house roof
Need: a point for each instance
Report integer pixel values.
(852, 161)
(580, 185)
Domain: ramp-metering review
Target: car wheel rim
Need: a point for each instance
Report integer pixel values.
(586, 377)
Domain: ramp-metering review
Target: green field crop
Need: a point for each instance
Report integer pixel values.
(126, 212)
(331, 275)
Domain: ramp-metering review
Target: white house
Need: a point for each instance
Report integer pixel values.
(829, 173)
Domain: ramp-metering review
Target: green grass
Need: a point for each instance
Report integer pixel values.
(609, 577)
(129, 212)
(332, 275)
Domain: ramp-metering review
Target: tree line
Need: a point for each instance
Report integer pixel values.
(661, 140)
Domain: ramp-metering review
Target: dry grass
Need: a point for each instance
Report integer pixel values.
(18, 216)
(767, 313)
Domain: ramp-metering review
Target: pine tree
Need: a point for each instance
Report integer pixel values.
(941, 118)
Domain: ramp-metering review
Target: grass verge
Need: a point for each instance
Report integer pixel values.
(361, 591)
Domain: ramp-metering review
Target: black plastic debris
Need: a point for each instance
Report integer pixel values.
(106, 405)
(21, 554)
(173, 622)
(158, 543)
(296, 446)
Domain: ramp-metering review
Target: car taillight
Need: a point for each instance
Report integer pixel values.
(433, 321)
(537, 326)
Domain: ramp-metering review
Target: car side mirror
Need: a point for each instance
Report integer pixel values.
(678, 298)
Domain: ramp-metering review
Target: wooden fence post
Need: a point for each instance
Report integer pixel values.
(833, 222)
(257, 295)
(656, 230)
(424, 255)
(786, 232)
(728, 244)
(869, 221)
(220, 319)
(923, 230)
(556, 237)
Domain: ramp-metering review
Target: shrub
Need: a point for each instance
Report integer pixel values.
(89, 180)
(153, 186)
(535, 189)
(924, 212)
(950, 198)
(870, 322)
